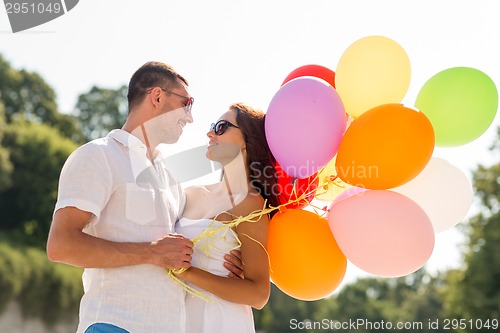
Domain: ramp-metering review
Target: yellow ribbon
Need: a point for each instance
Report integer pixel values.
(212, 230)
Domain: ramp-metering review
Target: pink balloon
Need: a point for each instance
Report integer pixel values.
(354, 190)
(304, 125)
(382, 232)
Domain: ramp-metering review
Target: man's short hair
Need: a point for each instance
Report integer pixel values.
(151, 74)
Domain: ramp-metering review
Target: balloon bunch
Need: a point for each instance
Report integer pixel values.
(347, 135)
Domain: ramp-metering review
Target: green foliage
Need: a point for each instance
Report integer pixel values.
(43, 289)
(412, 299)
(474, 293)
(5, 163)
(13, 273)
(276, 315)
(35, 140)
(26, 95)
(69, 127)
(101, 110)
(54, 289)
(37, 152)
(6, 169)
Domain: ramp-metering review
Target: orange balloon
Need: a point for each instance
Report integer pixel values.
(385, 147)
(306, 262)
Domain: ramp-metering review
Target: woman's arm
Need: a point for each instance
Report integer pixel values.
(254, 289)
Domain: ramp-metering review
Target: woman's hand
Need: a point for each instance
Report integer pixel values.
(234, 264)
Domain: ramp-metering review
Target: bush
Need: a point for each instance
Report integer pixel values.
(13, 274)
(43, 289)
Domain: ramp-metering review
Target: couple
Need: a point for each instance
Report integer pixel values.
(122, 217)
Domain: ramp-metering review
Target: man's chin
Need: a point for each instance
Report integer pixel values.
(169, 139)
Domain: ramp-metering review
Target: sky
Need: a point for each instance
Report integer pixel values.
(232, 51)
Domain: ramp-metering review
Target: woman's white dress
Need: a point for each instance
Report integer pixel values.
(215, 315)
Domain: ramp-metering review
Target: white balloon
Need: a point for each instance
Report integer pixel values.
(443, 191)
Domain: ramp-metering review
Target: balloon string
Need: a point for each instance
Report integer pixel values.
(264, 248)
(210, 233)
(210, 236)
(190, 290)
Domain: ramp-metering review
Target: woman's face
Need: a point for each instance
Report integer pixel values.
(227, 146)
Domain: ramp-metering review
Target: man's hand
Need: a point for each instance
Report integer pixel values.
(172, 251)
(234, 264)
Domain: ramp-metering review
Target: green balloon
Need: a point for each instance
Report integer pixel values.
(460, 102)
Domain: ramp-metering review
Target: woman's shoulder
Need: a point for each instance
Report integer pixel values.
(198, 193)
(251, 203)
(195, 189)
(255, 200)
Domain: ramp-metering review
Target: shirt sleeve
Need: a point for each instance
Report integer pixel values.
(85, 180)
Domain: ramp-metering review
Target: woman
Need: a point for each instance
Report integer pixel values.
(237, 142)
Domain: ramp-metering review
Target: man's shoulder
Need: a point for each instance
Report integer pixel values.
(105, 142)
(93, 150)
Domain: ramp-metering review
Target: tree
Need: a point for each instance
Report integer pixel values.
(415, 300)
(101, 110)
(5, 163)
(37, 153)
(476, 290)
(43, 289)
(281, 311)
(26, 95)
(34, 143)
(365, 299)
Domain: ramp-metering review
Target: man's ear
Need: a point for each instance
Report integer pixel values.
(155, 95)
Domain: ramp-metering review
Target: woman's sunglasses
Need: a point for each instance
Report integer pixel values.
(221, 126)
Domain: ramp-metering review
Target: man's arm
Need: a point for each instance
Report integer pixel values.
(67, 243)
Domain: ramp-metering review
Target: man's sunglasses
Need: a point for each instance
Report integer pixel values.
(188, 104)
(221, 126)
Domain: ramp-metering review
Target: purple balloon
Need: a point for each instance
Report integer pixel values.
(305, 123)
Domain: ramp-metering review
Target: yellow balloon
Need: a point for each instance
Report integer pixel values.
(372, 71)
(329, 184)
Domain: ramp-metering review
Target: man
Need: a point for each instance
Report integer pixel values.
(116, 210)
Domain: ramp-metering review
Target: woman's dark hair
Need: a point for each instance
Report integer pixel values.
(261, 162)
(151, 74)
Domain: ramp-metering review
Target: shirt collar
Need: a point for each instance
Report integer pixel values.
(127, 139)
(131, 141)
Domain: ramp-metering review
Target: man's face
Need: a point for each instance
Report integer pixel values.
(168, 125)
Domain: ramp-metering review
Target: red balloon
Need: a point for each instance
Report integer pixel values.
(313, 70)
(291, 188)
